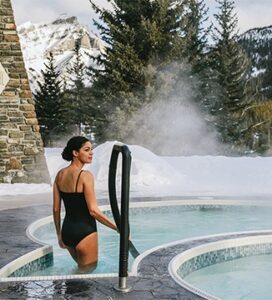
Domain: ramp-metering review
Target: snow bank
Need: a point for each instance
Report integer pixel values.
(153, 175)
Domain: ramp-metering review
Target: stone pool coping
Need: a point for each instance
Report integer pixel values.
(211, 253)
(148, 264)
(152, 281)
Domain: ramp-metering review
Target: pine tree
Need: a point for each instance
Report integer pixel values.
(196, 52)
(49, 102)
(80, 109)
(231, 66)
(140, 36)
(258, 119)
(258, 46)
(196, 32)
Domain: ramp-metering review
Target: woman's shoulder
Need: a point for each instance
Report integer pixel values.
(87, 173)
(87, 177)
(61, 171)
(61, 174)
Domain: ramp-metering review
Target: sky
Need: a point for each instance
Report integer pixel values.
(251, 13)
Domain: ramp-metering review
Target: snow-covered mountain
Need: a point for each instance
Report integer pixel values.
(258, 44)
(58, 37)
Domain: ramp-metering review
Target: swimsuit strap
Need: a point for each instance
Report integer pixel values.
(78, 179)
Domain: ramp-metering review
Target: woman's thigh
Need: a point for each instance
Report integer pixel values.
(87, 249)
(72, 252)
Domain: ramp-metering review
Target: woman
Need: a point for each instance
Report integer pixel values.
(76, 188)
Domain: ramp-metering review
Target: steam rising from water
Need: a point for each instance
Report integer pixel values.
(173, 124)
(172, 128)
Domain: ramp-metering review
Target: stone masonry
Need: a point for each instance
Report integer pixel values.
(21, 149)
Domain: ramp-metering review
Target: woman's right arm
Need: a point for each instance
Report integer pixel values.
(56, 213)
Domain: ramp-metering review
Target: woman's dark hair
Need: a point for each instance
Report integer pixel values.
(75, 143)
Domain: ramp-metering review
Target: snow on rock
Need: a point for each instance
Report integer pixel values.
(58, 37)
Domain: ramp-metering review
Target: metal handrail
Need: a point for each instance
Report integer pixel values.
(122, 221)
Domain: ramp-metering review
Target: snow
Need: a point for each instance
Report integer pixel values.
(58, 37)
(258, 34)
(256, 72)
(153, 175)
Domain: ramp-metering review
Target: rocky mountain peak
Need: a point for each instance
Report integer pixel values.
(58, 37)
(66, 20)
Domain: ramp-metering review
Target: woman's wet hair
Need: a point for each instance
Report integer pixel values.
(75, 143)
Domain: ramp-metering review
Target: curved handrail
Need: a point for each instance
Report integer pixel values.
(121, 220)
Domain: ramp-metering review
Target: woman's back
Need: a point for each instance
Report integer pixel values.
(78, 222)
(68, 181)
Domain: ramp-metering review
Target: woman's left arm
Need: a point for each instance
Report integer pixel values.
(94, 210)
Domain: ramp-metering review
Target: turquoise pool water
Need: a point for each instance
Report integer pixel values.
(247, 278)
(151, 227)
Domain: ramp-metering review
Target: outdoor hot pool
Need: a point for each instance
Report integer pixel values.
(156, 223)
(243, 278)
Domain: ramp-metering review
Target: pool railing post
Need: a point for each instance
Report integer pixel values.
(123, 223)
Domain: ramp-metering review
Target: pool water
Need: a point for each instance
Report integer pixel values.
(247, 278)
(154, 226)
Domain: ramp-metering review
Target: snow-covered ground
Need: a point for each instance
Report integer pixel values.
(153, 175)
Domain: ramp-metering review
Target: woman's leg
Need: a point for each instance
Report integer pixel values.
(72, 252)
(87, 251)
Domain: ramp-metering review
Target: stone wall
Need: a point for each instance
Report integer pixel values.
(21, 149)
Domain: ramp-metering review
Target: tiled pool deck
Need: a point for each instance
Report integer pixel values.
(153, 280)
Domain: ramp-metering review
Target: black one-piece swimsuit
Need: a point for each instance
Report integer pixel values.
(78, 223)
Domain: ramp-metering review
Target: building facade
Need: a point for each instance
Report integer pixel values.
(21, 148)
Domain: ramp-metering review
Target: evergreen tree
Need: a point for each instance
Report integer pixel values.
(79, 108)
(258, 121)
(258, 45)
(196, 32)
(140, 36)
(49, 102)
(231, 66)
(196, 52)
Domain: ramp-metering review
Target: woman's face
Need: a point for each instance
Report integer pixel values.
(85, 153)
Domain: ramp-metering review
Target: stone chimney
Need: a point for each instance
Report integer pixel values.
(21, 149)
